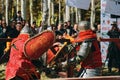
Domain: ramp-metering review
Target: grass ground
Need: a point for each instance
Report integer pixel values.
(2, 72)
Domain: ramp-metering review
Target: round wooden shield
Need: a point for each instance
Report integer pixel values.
(37, 45)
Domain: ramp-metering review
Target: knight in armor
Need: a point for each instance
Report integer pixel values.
(24, 49)
(89, 54)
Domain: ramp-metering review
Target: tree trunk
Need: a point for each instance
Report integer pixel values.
(72, 15)
(23, 9)
(59, 11)
(92, 14)
(6, 14)
(31, 12)
(52, 12)
(44, 23)
(17, 5)
(49, 7)
(14, 8)
(10, 8)
(67, 13)
(45, 14)
(3, 7)
(79, 15)
(76, 15)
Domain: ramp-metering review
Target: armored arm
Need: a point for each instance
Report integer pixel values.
(85, 49)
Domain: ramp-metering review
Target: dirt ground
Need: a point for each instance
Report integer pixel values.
(43, 76)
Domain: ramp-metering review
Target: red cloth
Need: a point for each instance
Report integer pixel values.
(85, 35)
(93, 59)
(18, 64)
(51, 54)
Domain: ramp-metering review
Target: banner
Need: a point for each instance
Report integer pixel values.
(105, 27)
(106, 21)
(82, 4)
(113, 7)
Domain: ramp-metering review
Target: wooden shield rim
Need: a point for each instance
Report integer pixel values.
(52, 61)
(33, 38)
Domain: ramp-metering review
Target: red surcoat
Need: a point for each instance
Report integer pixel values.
(18, 64)
(93, 60)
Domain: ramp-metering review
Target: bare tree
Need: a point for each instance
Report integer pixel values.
(45, 23)
(3, 7)
(67, 13)
(23, 9)
(76, 15)
(17, 5)
(31, 11)
(59, 11)
(49, 7)
(92, 13)
(45, 12)
(52, 4)
(6, 14)
(72, 15)
(79, 15)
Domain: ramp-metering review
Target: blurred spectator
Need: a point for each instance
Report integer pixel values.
(66, 36)
(23, 23)
(34, 27)
(0, 22)
(98, 33)
(18, 17)
(40, 27)
(69, 28)
(75, 30)
(0, 27)
(60, 29)
(65, 25)
(53, 27)
(4, 26)
(59, 35)
(12, 32)
(113, 51)
(3, 35)
(12, 24)
(18, 28)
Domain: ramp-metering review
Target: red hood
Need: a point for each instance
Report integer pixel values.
(85, 35)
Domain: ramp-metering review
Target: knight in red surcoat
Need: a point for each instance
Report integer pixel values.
(23, 50)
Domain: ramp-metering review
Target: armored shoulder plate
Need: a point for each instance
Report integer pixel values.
(85, 48)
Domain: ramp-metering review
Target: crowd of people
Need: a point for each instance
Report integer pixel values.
(88, 53)
(15, 26)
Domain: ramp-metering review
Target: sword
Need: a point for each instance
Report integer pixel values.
(4, 58)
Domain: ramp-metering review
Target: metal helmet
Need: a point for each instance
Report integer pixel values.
(84, 25)
(26, 30)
